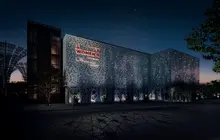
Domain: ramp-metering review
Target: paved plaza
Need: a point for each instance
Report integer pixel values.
(183, 122)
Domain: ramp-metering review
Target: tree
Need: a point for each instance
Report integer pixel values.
(206, 38)
(185, 90)
(49, 81)
(179, 89)
(215, 86)
(208, 90)
(130, 92)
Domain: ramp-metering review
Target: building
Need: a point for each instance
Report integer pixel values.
(171, 66)
(10, 54)
(44, 52)
(97, 71)
(93, 67)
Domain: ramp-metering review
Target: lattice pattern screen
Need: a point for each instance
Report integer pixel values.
(93, 64)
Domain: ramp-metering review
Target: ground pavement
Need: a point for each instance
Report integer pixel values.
(194, 121)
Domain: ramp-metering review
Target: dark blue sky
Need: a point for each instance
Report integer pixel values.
(144, 25)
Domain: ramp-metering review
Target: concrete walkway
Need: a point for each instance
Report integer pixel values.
(97, 107)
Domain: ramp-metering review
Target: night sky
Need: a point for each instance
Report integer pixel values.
(144, 25)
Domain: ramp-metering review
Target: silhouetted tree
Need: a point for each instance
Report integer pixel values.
(130, 92)
(215, 86)
(48, 81)
(185, 90)
(206, 38)
(207, 90)
(167, 92)
(193, 89)
(179, 91)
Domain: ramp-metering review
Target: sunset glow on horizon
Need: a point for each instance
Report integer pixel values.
(16, 77)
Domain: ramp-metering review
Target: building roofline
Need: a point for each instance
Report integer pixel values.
(130, 48)
(176, 51)
(108, 44)
(163, 50)
(45, 25)
(187, 54)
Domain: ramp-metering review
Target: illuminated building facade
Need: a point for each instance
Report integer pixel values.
(97, 71)
(10, 54)
(170, 66)
(44, 52)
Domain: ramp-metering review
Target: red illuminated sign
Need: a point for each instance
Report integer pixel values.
(92, 54)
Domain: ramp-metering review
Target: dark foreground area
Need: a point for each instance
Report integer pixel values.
(194, 121)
